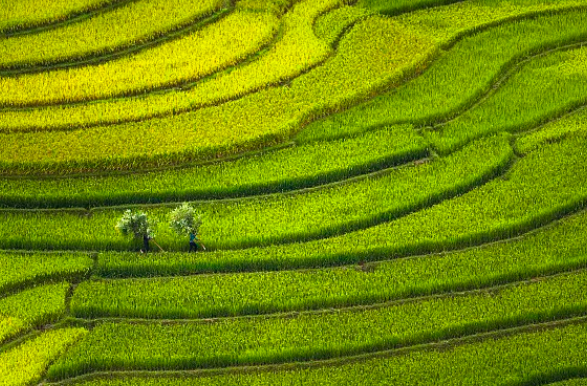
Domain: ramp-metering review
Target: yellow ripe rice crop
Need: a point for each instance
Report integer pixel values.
(19, 14)
(130, 24)
(201, 53)
(26, 363)
(296, 51)
(120, 110)
(374, 53)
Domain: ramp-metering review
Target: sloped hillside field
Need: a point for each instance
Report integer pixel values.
(293, 192)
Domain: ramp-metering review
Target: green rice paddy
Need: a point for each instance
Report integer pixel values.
(392, 192)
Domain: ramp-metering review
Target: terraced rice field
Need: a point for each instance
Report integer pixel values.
(392, 192)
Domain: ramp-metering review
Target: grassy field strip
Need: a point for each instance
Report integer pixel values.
(21, 17)
(442, 92)
(22, 270)
(136, 22)
(547, 87)
(543, 186)
(489, 359)
(25, 364)
(116, 54)
(297, 51)
(503, 80)
(303, 337)
(31, 308)
(287, 169)
(186, 59)
(548, 251)
(376, 53)
(278, 218)
(554, 131)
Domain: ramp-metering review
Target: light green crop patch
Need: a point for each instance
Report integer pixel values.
(323, 335)
(201, 53)
(500, 361)
(10, 326)
(571, 382)
(274, 6)
(445, 24)
(121, 27)
(539, 92)
(553, 132)
(18, 270)
(27, 362)
(331, 26)
(458, 78)
(31, 308)
(575, 63)
(20, 14)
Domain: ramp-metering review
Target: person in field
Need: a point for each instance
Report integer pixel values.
(137, 225)
(195, 242)
(146, 246)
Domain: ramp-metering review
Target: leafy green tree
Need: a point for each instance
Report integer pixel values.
(137, 225)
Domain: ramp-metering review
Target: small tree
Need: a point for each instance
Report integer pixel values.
(138, 225)
(184, 221)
